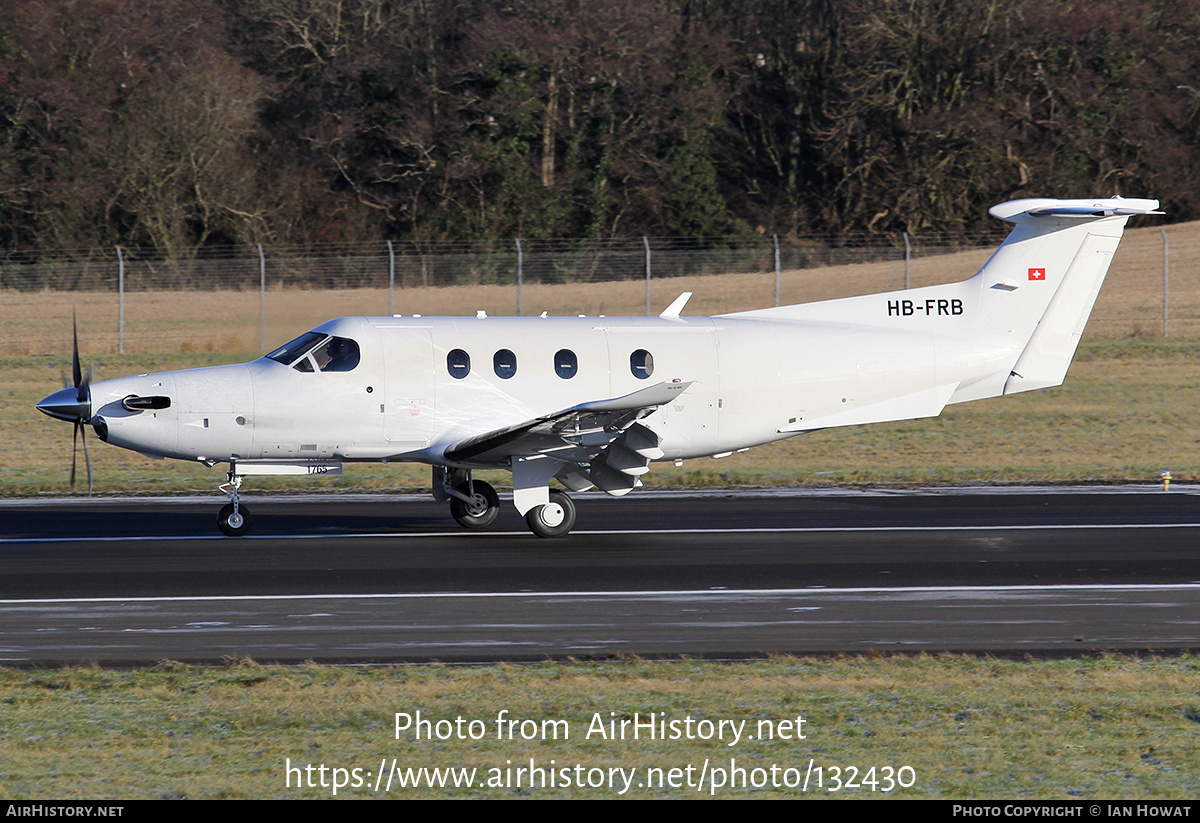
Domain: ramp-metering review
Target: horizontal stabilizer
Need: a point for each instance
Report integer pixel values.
(1018, 211)
(1083, 211)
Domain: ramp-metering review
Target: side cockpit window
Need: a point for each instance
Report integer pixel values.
(338, 354)
(313, 351)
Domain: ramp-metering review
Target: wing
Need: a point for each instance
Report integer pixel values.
(598, 443)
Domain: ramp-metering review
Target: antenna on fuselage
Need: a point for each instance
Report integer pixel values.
(676, 307)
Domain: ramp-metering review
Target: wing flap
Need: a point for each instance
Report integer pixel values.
(577, 434)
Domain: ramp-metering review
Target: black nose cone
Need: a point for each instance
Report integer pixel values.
(66, 405)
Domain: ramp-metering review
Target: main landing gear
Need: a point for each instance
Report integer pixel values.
(474, 504)
(554, 519)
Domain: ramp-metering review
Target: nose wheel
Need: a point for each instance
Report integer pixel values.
(234, 519)
(234, 523)
(555, 518)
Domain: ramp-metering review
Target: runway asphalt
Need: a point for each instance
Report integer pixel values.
(365, 578)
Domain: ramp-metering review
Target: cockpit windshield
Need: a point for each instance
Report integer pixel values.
(313, 351)
(289, 353)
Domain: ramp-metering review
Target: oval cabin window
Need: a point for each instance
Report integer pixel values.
(458, 363)
(505, 364)
(641, 363)
(566, 364)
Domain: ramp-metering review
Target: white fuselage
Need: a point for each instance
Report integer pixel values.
(754, 380)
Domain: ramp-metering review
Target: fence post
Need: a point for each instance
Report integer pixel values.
(776, 238)
(646, 243)
(1166, 277)
(391, 279)
(520, 279)
(120, 301)
(907, 262)
(262, 300)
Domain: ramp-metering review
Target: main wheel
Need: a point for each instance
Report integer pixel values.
(480, 510)
(554, 519)
(234, 525)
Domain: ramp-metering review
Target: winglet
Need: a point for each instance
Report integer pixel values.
(676, 307)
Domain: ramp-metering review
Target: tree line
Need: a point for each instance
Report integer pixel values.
(178, 126)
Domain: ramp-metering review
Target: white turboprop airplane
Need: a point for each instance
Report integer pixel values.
(592, 401)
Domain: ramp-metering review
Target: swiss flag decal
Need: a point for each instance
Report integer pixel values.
(1037, 274)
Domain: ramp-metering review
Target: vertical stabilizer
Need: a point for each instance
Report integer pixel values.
(1040, 285)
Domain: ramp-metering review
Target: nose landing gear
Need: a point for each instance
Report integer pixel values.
(234, 522)
(234, 519)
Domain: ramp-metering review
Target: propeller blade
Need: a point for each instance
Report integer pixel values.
(76, 371)
(74, 404)
(87, 461)
(74, 444)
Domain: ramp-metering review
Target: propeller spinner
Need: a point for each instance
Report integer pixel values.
(73, 403)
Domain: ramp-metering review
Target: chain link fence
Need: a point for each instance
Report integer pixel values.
(247, 303)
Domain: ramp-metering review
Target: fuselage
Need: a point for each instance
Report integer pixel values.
(422, 384)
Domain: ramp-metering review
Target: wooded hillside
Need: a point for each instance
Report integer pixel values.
(177, 125)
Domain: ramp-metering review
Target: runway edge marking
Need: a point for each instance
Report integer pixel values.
(1061, 587)
(602, 532)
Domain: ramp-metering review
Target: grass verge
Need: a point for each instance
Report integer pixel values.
(1113, 727)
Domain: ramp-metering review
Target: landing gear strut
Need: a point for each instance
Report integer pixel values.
(234, 519)
(554, 519)
(476, 504)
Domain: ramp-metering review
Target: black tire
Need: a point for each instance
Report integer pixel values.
(483, 509)
(555, 519)
(226, 515)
